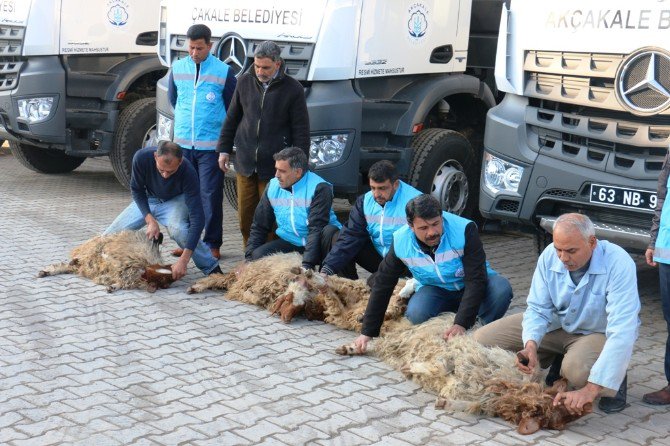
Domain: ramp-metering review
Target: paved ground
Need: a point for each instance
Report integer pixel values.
(80, 366)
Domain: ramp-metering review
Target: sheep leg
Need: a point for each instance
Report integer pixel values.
(351, 350)
(58, 268)
(422, 368)
(211, 282)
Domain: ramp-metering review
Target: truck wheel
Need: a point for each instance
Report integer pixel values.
(542, 240)
(44, 160)
(136, 129)
(444, 165)
(230, 191)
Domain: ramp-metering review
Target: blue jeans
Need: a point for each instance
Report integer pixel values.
(430, 301)
(173, 214)
(664, 276)
(206, 164)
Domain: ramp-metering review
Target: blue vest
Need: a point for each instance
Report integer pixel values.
(291, 208)
(662, 247)
(200, 110)
(446, 271)
(382, 222)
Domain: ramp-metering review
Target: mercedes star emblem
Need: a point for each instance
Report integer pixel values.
(643, 82)
(233, 51)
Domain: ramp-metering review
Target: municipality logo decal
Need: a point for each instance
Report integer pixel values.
(117, 13)
(417, 24)
(210, 96)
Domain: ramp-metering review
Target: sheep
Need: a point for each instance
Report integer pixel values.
(125, 260)
(469, 377)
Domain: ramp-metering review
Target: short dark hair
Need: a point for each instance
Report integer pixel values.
(269, 50)
(381, 171)
(295, 156)
(199, 31)
(168, 148)
(424, 206)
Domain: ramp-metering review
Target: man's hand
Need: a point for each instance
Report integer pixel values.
(529, 352)
(453, 331)
(152, 227)
(574, 401)
(361, 343)
(179, 267)
(649, 256)
(224, 162)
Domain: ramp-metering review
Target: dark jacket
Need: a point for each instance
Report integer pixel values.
(353, 237)
(260, 122)
(391, 268)
(318, 217)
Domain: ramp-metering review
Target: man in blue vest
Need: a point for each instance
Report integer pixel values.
(165, 190)
(582, 307)
(445, 256)
(300, 203)
(200, 89)
(376, 215)
(658, 254)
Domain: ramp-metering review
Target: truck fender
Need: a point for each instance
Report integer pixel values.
(129, 71)
(423, 96)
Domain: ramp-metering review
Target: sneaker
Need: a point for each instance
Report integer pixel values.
(216, 270)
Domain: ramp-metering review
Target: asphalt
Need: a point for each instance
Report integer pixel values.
(81, 366)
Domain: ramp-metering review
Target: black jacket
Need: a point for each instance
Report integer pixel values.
(391, 268)
(353, 237)
(318, 217)
(260, 122)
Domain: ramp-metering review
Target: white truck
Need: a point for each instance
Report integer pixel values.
(403, 80)
(585, 122)
(78, 79)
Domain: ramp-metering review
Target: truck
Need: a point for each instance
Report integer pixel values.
(585, 122)
(78, 80)
(403, 80)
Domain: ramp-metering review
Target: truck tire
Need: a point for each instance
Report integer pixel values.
(230, 191)
(136, 129)
(542, 240)
(444, 165)
(44, 160)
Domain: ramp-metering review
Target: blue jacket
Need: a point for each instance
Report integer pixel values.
(662, 247)
(200, 108)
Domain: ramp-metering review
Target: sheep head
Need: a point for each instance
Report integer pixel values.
(157, 276)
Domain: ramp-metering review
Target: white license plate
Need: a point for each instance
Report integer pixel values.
(623, 197)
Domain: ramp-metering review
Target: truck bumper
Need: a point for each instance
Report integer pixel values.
(39, 77)
(550, 186)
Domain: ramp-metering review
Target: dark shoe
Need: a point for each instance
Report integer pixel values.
(616, 403)
(554, 371)
(215, 253)
(216, 270)
(659, 398)
(177, 252)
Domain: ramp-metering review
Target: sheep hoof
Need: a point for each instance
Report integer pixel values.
(42, 274)
(348, 350)
(406, 370)
(191, 290)
(440, 403)
(110, 289)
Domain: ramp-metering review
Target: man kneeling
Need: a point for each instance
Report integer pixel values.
(446, 257)
(583, 303)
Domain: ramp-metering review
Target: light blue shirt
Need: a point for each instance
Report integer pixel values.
(604, 301)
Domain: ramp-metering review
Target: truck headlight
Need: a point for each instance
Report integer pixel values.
(164, 128)
(500, 175)
(35, 109)
(327, 149)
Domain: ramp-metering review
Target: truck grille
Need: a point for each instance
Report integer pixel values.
(296, 55)
(574, 115)
(11, 42)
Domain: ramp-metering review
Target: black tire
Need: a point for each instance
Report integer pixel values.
(44, 160)
(136, 129)
(230, 191)
(444, 164)
(542, 240)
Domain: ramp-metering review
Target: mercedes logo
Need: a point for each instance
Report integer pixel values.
(233, 51)
(643, 82)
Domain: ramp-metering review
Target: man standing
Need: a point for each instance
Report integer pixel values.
(300, 203)
(268, 113)
(446, 257)
(376, 215)
(658, 253)
(165, 190)
(200, 89)
(583, 304)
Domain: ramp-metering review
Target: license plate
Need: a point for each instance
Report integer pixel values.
(623, 197)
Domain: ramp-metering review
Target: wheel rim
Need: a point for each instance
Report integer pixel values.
(450, 186)
(150, 139)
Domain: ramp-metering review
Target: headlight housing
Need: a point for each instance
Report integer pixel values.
(500, 175)
(164, 128)
(35, 110)
(327, 149)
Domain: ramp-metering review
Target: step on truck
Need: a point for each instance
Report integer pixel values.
(402, 80)
(585, 122)
(78, 80)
